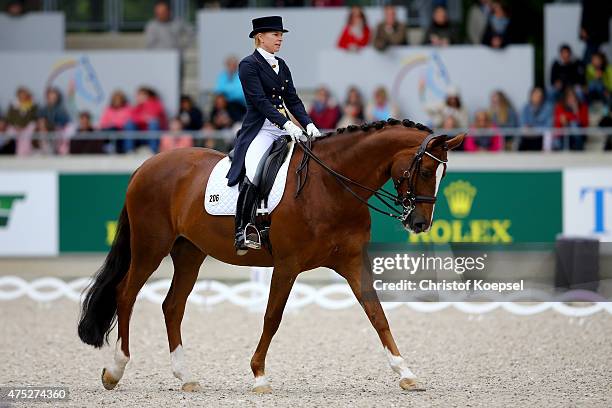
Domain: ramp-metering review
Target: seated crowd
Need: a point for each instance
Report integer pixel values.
(579, 95)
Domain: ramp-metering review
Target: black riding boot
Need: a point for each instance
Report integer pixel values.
(245, 214)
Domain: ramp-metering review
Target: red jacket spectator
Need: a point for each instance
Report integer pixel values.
(356, 33)
(148, 109)
(117, 113)
(324, 112)
(565, 116)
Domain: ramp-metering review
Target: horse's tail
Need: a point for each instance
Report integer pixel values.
(99, 309)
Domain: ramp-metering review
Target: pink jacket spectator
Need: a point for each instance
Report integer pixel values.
(151, 109)
(470, 144)
(115, 118)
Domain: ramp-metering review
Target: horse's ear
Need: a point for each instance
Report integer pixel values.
(455, 141)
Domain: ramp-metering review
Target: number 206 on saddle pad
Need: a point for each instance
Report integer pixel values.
(219, 199)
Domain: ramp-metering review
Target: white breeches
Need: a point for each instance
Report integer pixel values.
(264, 139)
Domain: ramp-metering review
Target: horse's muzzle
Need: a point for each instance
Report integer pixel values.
(417, 222)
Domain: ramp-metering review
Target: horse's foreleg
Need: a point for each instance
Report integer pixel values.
(187, 259)
(280, 287)
(360, 280)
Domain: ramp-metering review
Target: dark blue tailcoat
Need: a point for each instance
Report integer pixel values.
(265, 91)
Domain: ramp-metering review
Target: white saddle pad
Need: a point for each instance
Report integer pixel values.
(219, 199)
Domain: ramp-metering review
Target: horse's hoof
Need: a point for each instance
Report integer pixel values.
(192, 386)
(108, 381)
(262, 389)
(410, 384)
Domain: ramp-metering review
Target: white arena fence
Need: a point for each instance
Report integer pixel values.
(253, 295)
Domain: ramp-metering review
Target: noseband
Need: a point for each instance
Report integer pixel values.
(407, 201)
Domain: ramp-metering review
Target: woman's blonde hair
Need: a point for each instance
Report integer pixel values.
(257, 40)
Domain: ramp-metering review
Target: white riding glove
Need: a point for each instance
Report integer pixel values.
(312, 130)
(294, 131)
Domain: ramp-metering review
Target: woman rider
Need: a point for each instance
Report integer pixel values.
(269, 92)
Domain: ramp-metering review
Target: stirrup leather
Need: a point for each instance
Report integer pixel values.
(252, 238)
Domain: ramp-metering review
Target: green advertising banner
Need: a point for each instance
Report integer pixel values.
(483, 207)
(89, 207)
(486, 207)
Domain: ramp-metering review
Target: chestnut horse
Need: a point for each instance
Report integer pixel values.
(325, 225)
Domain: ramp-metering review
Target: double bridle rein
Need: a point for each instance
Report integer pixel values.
(407, 201)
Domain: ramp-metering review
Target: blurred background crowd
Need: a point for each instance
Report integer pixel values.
(577, 94)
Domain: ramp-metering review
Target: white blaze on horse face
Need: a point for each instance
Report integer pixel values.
(439, 175)
(399, 365)
(117, 367)
(179, 367)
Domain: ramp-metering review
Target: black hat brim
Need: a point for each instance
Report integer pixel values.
(266, 29)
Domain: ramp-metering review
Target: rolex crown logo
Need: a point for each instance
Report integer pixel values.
(460, 196)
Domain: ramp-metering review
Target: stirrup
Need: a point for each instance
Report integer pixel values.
(249, 238)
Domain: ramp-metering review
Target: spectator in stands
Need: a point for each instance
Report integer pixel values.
(222, 116)
(190, 115)
(599, 78)
(7, 144)
(500, 29)
(570, 113)
(594, 25)
(115, 117)
(503, 115)
(228, 83)
(450, 126)
(117, 114)
(324, 112)
(353, 109)
(21, 120)
(82, 145)
(15, 8)
(390, 31)
(147, 114)
(58, 120)
(176, 137)
(566, 72)
(381, 108)
(450, 106)
(441, 32)
(164, 32)
(478, 17)
(356, 33)
(44, 142)
(537, 113)
(483, 142)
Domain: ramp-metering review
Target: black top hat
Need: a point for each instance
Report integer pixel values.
(263, 24)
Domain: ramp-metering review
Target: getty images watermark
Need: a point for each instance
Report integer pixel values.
(474, 272)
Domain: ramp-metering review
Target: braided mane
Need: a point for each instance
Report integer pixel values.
(377, 125)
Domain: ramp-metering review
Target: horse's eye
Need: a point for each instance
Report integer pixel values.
(426, 174)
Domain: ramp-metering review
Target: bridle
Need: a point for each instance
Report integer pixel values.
(407, 200)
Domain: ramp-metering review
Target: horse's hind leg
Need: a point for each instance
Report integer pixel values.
(360, 280)
(150, 243)
(187, 259)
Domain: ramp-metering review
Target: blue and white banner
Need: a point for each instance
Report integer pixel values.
(587, 202)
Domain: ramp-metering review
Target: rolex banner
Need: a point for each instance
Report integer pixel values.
(486, 207)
